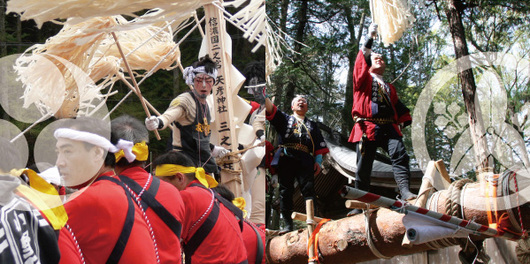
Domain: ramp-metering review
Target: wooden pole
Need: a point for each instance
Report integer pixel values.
(218, 50)
(310, 227)
(352, 204)
(440, 166)
(133, 79)
(303, 217)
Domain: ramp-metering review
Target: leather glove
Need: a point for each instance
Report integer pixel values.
(152, 123)
(372, 30)
(219, 152)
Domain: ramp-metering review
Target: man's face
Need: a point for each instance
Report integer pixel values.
(77, 164)
(378, 64)
(203, 85)
(300, 105)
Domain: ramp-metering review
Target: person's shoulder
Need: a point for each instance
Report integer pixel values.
(183, 100)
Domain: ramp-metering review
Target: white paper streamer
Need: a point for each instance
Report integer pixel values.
(422, 229)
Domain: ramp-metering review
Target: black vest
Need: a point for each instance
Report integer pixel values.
(195, 137)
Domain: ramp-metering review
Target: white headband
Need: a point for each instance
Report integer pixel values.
(190, 73)
(97, 140)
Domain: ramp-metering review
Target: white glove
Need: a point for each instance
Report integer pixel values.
(151, 123)
(262, 138)
(219, 152)
(372, 30)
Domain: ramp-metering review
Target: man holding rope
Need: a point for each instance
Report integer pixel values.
(379, 116)
(190, 114)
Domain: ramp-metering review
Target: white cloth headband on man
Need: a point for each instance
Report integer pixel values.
(190, 73)
(97, 140)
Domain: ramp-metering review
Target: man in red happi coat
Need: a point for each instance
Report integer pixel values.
(160, 200)
(104, 224)
(379, 116)
(211, 232)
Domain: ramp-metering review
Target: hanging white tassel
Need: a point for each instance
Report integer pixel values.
(393, 17)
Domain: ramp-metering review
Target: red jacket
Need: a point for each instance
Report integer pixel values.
(68, 247)
(167, 242)
(96, 216)
(362, 102)
(251, 241)
(224, 243)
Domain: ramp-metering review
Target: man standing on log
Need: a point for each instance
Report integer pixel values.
(300, 154)
(379, 116)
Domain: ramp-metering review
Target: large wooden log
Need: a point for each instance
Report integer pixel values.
(345, 240)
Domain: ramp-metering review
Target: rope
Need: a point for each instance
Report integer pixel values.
(144, 214)
(505, 187)
(81, 256)
(453, 207)
(377, 253)
(233, 157)
(522, 250)
(313, 242)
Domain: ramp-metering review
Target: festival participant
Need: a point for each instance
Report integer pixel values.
(190, 114)
(103, 220)
(378, 115)
(160, 200)
(25, 235)
(255, 181)
(300, 154)
(211, 233)
(253, 235)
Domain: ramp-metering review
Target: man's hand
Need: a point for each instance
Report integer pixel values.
(318, 164)
(219, 152)
(317, 169)
(372, 30)
(152, 123)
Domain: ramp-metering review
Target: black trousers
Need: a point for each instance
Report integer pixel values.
(295, 165)
(388, 139)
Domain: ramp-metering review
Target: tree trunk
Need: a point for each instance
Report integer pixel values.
(352, 54)
(299, 37)
(19, 35)
(3, 32)
(453, 11)
(344, 240)
(283, 16)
